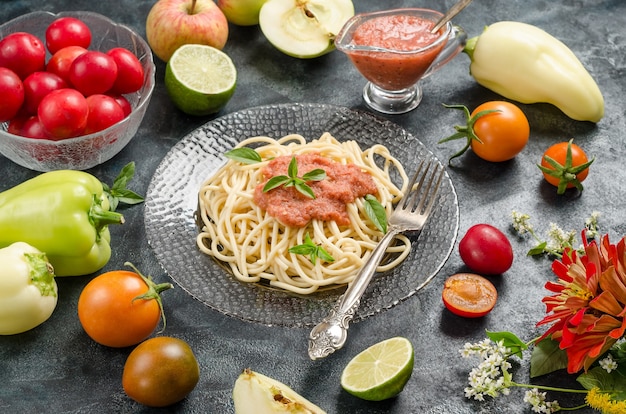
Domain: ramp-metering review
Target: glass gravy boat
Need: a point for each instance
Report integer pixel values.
(386, 57)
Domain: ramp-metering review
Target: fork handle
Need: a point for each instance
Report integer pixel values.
(350, 299)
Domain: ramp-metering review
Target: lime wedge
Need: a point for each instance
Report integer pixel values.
(200, 79)
(381, 371)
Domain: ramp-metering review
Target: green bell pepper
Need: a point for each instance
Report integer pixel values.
(63, 213)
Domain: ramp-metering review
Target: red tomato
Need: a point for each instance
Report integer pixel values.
(33, 128)
(112, 312)
(104, 111)
(67, 31)
(469, 295)
(160, 371)
(23, 53)
(12, 92)
(93, 72)
(37, 85)
(61, 62)
(129, 71)
(565, 174)
(15, 125)
(123, 102)
(63, 113)
(486, 250)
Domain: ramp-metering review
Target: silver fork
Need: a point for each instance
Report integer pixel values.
(410, 215)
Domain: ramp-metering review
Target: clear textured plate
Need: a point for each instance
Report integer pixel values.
(171, 202)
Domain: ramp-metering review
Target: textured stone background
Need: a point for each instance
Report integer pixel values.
(57, 368)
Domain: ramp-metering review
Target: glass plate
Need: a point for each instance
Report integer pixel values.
(171, 202)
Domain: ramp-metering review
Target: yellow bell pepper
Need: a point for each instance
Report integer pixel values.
(526, 64)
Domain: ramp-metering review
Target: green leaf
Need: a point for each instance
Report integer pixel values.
(304, 189)
(376, 212)
(613, 382)
(547, 357)
(243, 155)
(118, 193)
(314, 251)
(305, 249)
(315, 175)
(292, 170)
(293, 179)
(538, 249)
(275, 181)
(324, 255)
(510, 340)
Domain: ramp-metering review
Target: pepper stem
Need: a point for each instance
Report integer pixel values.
(154, 292)
(469, 47)
(100, 217)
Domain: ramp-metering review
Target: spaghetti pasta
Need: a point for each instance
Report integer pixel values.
(255, 245)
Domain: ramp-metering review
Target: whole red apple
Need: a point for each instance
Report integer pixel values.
(173, 23)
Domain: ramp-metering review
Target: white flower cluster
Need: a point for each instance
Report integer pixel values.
(558, 239)
(608, 364)
(491, 376)
(538, 401)
(521, 222)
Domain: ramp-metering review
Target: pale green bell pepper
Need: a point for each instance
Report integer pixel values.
(526, 64)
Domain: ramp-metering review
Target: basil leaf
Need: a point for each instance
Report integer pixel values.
(376, 212)
(304, 189)
(243, 155)
(118, 193)
(302, 249)
(314, 251)
(324, 255)
(274, 182)
(315, 175)
(292, 170)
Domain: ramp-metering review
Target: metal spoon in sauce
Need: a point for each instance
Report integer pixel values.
(452, 11)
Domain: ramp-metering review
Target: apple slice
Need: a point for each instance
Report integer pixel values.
(304, 28)
(256, 393)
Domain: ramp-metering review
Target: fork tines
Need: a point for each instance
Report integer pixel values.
(423, 186)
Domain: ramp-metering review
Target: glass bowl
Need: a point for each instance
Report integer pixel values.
(86, 151)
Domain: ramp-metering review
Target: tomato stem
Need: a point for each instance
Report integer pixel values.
(465, 131)
(566, 173)
(154, 292)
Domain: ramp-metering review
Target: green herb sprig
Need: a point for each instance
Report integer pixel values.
(118, 193)
(312, 250)
(292, 179)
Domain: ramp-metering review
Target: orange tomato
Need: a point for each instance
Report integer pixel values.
(503, 134)
(562, 172)
(469, 295)
(113, 312)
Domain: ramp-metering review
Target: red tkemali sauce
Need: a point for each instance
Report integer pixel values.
(403, 33)
(343, 184)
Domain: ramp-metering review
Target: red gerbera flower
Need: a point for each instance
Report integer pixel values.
(588, 306)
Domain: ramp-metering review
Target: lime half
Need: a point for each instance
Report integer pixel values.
(381, 371)
(200, 79)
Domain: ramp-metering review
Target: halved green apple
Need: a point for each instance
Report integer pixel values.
(304, 28)
(258, 394)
